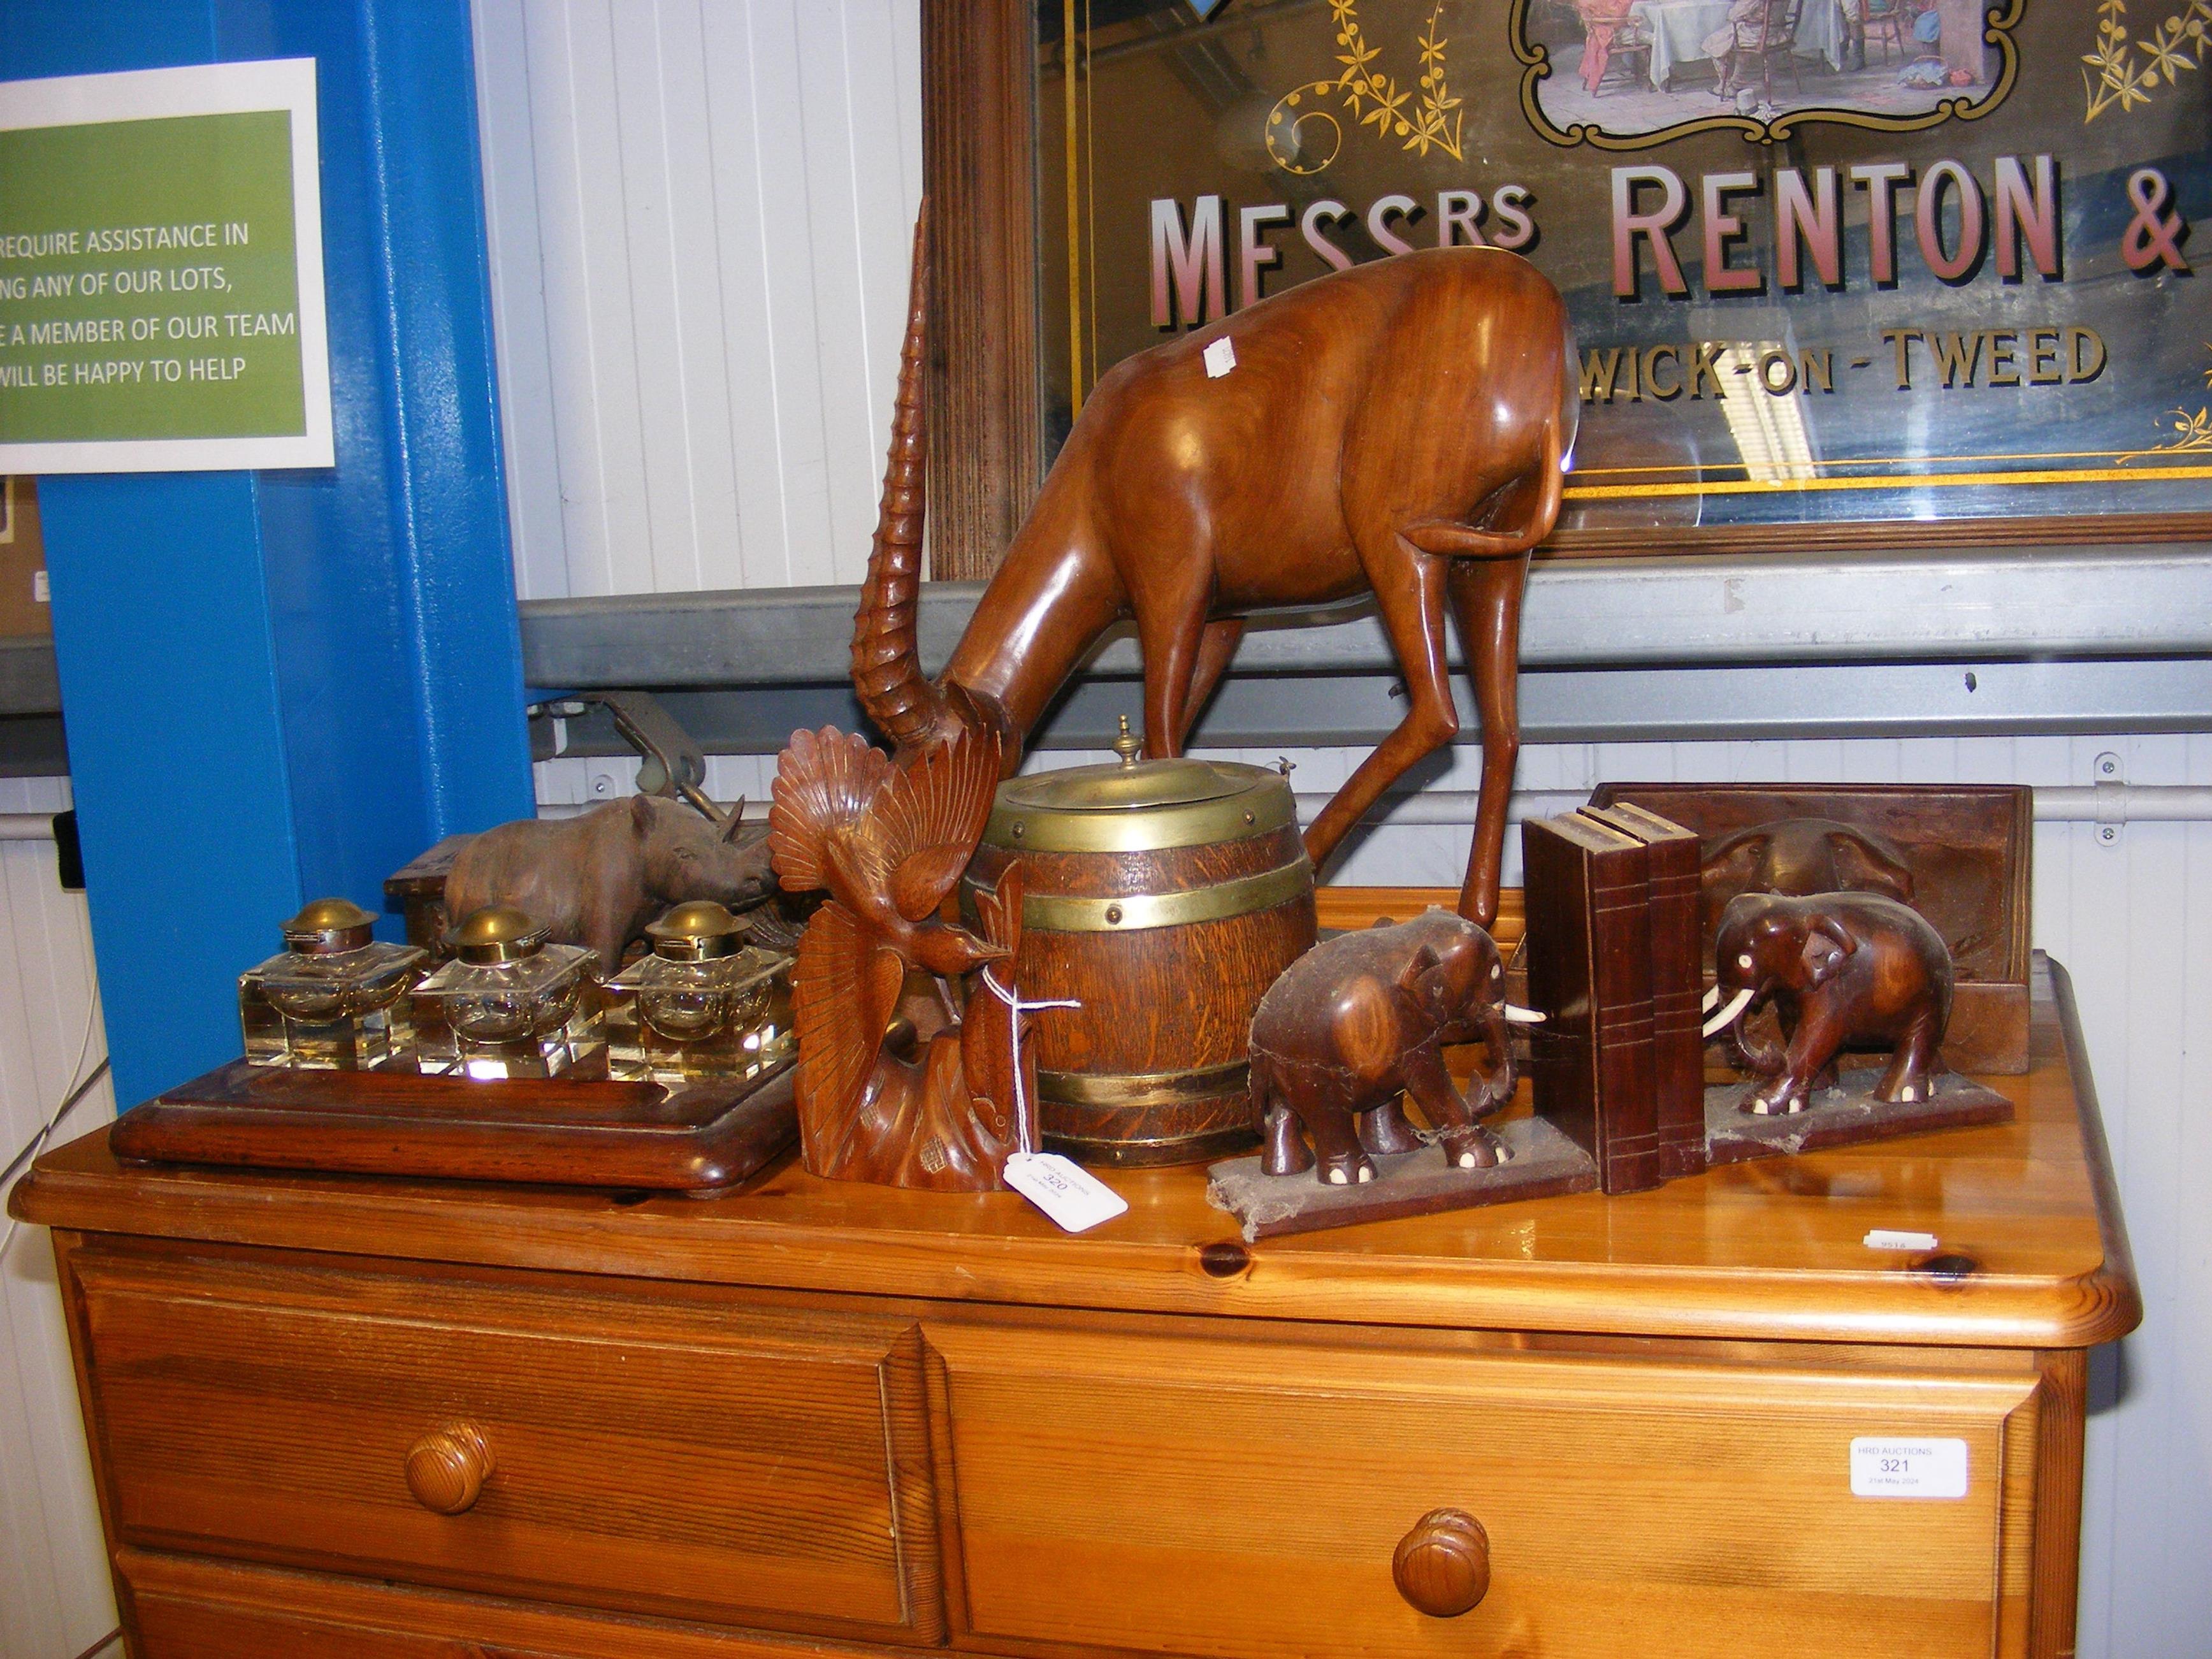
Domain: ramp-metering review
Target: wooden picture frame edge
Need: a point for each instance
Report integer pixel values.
(979, 144)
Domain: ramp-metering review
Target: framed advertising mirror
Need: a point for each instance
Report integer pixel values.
(1845, 275)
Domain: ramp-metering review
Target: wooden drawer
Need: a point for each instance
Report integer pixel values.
(191, 1607)
(1246, 1499)
(707, 1459)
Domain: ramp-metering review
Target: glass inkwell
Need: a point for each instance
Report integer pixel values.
(701, 1004)
(508, 1005)
(335, 1000)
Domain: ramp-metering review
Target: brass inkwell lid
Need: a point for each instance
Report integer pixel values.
(699, 931)
(496, 933)
(328, 926)
(1139, 805)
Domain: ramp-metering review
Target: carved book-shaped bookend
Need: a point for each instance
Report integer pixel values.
(901, 1089)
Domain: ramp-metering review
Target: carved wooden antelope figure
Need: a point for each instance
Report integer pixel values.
(1401, 427)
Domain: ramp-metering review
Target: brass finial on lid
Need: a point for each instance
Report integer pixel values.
(498, 932)
(1127, 746)
(329, 926)
(698, 930)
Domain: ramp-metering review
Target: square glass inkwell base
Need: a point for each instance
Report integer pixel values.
(335, 1000)
(508, 1005)
(701, 1004)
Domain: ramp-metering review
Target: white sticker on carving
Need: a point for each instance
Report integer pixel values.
(1220, 358)
(1908, 1469)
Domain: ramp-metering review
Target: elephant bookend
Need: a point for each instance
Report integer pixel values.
(1846, 973)
(1349, 1031)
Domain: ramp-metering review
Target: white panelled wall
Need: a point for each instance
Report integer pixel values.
(700, 212)
(55, 1601)
(698, 217)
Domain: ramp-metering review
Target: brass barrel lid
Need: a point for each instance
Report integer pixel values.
(498, 932)
(698, 930)
(1138, 806)
(329, 926)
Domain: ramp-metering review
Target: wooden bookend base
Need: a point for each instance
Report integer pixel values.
(1544, 1163)
(704, 1138)
(1842, 1116)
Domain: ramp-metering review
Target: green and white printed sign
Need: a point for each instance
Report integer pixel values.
(162, 272)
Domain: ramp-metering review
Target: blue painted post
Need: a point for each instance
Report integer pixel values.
(279, 685)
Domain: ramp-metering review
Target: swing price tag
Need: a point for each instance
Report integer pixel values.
(1074, 1198)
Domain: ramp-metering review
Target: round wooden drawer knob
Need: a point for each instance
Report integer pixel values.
(447, 1468)
(1442, 1565)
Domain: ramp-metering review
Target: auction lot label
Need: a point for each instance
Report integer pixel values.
(161, 271)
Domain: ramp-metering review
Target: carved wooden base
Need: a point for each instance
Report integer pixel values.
(1544, 1163)
(703, 1137)
(1547, 1162)
(1842, 1116)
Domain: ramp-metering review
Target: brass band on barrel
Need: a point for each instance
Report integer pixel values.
(1134, 912)
(1237, 816)
(1120, 1151)
(1143, 1088)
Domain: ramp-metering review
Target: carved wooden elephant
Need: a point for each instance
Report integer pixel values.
(1841, 969)
(1360, 1020)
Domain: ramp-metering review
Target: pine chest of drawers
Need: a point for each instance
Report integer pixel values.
(332, 1415)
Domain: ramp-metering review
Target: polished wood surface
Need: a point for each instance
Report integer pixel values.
(191, 1607)
(724, 1460)
(1767, 1251)
(417, 890)
(1632, 1508)
(698, 1137)
(1337, 908)
(414, 1421)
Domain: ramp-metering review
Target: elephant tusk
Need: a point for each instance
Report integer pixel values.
(1727, 1016)
(1711, 997)
(1516, 1015)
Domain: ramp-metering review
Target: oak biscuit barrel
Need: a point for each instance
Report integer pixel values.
(1164, 896)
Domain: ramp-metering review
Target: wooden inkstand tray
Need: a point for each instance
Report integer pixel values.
(581, 1130)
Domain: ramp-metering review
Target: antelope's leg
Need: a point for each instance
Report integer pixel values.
(1486, 598)
(1215, 646)
(1409, 591)
(1171, 635)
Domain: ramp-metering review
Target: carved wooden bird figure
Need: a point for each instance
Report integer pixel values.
(888, 842)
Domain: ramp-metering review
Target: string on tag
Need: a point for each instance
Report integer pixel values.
(1024, 1120)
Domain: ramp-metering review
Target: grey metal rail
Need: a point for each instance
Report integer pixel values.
(2077, 602)
(2058, 639)
(2063, 639)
